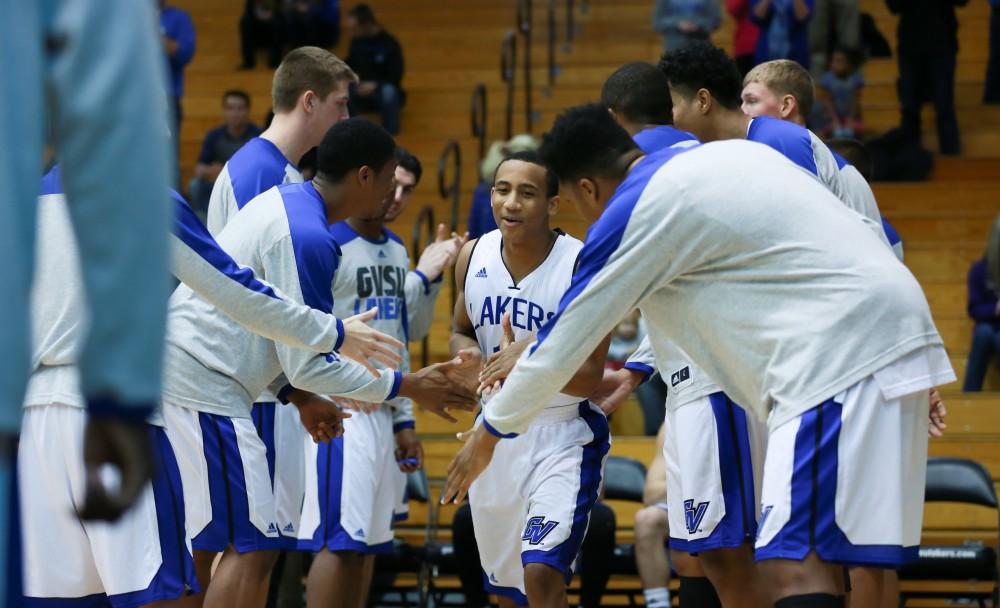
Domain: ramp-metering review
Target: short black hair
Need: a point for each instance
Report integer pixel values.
(533, 157)
(237, 93)
(408, 161)
(362, 13)
(855, 153)
(585, 141)
(640, 93)
(351, 144)
(702, 65)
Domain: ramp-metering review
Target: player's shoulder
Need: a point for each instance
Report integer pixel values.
(343, 234)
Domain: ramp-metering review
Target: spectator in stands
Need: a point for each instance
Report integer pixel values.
(928, 45)
(991, 94)
(745, 36)
(221, 143)
(262, 25)
(377, 58)
(313, 23)
(839, 90)
(651, 535)
(681, 21)
(784, 29)
(481, 214)
(835, 23)
(178, 35)
(984, 308)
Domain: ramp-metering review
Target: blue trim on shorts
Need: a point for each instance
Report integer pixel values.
(512, 593)
(176, 576)
(563, 556)
(812, 523)
(97, 600)
(263, 415)
(330, 480)
(739, 524)
(230, 524)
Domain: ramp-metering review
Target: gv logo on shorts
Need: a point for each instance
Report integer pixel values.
(537, 529)
(694, 514)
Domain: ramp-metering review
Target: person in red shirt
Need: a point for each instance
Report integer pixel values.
(745, 36)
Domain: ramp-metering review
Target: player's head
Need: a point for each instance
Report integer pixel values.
(525, 194)
(637, 95)
(312, 84)
(781, 89)
(704, 87)
(358, 158)
(590, 153)
(236, 108)
(408, 172)
(855, 153)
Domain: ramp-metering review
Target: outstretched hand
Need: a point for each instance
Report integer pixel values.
(938, 412)
(321, 417)
(438, 389)
(614, 388)
(468, 464)
(363, 343)
(125, 446)
(501, 363)
(442, 253)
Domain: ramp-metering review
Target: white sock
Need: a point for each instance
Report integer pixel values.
(657, 598)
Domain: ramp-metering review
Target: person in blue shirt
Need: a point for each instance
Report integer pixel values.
(784, 29)
(219, 146)
(178, 35)
(984, 309)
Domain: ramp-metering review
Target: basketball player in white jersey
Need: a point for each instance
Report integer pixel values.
(532, 505)
(356, 482)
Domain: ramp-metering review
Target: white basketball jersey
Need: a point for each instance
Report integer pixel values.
(490, 292)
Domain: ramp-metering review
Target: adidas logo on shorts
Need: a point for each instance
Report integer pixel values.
(272, 528)
(289, 528)
(360, 532)
(482, 273)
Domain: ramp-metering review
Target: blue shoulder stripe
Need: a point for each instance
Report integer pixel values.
(788, 138)
(51, 182)
(604, 237)
(193, 233)
(316, 252)
(841, 161)
(890, 232)
(256, 168)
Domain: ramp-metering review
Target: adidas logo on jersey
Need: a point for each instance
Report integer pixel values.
(680, 376)
(360, 532)
(290, 528)
(482, 273)
(381, 253)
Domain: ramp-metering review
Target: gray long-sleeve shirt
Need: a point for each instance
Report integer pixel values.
(763, 278)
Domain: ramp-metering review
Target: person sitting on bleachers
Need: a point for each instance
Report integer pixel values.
(984, 308)
(377, 58)
(262, 25)
(220, 144)
(313, 23)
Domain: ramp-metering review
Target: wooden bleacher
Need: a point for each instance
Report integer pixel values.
(449, 47)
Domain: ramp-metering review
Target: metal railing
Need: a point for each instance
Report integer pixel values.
(423, 226)
(524, 26)
(478, 117)
(508, 73)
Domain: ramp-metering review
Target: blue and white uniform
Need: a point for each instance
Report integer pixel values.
(214, 368)
(357, 485)
(800, 313)
(532, 503)
(142, 558)
(661, 137)
(713, 451)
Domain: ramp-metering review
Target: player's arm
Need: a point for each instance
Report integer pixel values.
(655, 489)
(201, 264)
(424, 283)
(463, 342)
